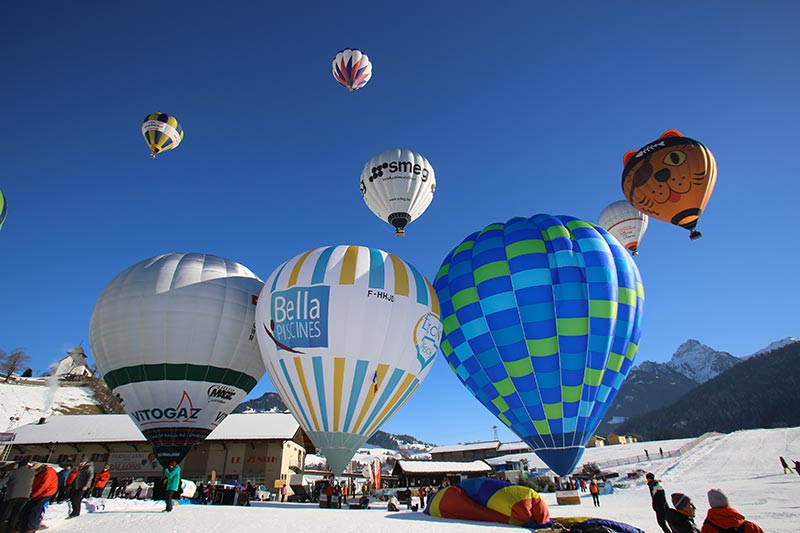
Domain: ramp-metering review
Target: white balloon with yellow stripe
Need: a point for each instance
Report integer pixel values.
(347, 334)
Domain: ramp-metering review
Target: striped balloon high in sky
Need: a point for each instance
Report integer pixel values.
(542, 318)
(352, 69)
(347, 334)
(161, 132)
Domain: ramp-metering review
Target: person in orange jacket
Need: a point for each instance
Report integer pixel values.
(100, 481)
(594, 490)
(45, 485)
(722, 516)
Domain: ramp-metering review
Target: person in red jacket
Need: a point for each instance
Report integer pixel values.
(100, 481)
(45, 485)
(722, 516)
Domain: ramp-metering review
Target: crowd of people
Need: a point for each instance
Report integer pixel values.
(680, 518)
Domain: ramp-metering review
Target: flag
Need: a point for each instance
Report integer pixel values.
(375, 381)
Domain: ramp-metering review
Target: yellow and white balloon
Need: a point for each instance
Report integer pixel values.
(347, 334)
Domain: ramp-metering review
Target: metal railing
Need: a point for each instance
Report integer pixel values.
(653, 456)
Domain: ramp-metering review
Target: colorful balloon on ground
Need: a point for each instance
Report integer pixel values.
(490, 500)
(161, 133)
(174, 337)
(398, 186)
(624, 222)
(542, 318)
(670, 179)
(3, 209)
(352, 69)
(347, 334)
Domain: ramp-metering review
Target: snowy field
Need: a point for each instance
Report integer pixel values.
(743, 464)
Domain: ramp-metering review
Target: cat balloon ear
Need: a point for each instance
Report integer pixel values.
(628, 156)
(671, 133)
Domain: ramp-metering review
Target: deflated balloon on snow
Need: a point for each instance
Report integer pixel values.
(174, 338)
(347, 334)
(542, 319)
(670, 179)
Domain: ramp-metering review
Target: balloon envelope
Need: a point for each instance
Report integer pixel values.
(174, 339)
(542, 318)
(625, 223)
(352, 69)
(398, 186)
(670, 179)
(3, 209)
(347, 334)
(161, 132)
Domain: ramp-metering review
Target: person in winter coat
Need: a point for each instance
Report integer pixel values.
(45, 485)
(100, 481)
(785, 465)
(659, 501)
(797, 467)
(61, 494)
(329, 492)
(594, 490)
(69, 482)
(722, 516)
(18, 492)
(681, 518)
(173, 475)
(81, 485)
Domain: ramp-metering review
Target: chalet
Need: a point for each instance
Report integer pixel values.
(260, 448)
(434, 473)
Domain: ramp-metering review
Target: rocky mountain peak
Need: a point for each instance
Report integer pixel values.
(700, 363)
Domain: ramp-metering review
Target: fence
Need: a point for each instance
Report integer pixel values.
(672, 453)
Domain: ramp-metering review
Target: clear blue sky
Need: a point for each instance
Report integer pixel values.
(521, 108)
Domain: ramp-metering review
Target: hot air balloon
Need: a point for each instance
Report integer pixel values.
(670, 179)
(347, 334)
(352, 69)
(174, 337)
(398, 186)
(624, 222)
(161, 132)
(3, 209)
(542, 318)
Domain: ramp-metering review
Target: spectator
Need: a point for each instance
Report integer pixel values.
(722, 516)
(18, 492)
(81, 485)
(173, 484)
(658, 499)
(100, 482)
(681, 518)
(45, 486)
(594, 490)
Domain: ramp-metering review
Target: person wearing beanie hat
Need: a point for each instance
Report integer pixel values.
(681, 519)
(659, 500)
(722, 517)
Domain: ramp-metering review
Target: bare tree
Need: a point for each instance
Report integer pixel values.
(10, 363)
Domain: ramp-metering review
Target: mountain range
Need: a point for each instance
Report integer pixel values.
(653, 399)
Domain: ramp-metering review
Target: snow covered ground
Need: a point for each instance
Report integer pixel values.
(743, 464)
(34, 398)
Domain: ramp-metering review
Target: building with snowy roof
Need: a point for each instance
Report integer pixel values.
(476, 451)
(261, 448)
(430, 473)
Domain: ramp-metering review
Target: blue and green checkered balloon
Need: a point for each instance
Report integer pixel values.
(542, 318)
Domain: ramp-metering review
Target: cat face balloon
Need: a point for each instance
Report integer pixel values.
(670, 179)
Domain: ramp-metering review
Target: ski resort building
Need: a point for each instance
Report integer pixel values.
(477, 451)
(261, 448)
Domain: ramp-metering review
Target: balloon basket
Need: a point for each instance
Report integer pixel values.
(568, 497)
(694, 235)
